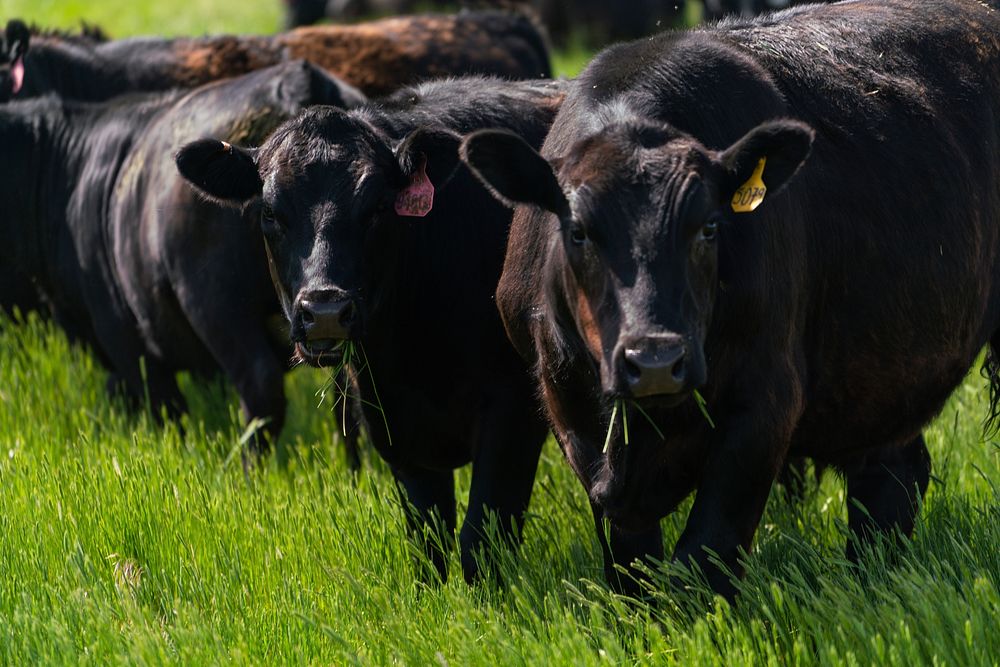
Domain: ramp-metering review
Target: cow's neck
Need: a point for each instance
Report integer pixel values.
(23, 134)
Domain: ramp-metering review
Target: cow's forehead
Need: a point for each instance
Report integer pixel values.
(330, 176)
(620, 156)
(601, 171)
(299, 150)
(308, 160)
(321, 135)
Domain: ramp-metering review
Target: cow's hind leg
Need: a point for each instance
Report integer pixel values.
(991, 371)
(249, 362)
(885, 492)
(429, 502)
(150, 385)
(260, 384)
(145, 380)
(792, 478)
(236, 336)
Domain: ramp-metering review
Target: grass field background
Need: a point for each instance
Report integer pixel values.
(126, 542)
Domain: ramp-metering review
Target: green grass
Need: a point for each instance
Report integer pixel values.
(123, 18)
(126, 542)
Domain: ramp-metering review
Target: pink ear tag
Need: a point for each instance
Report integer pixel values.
(417, 198)
(17, 72)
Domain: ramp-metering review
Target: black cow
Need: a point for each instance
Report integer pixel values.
(377, 243)
(13, 45)
(307, 12)
(596, 21)
(104, 234)
(599, 22)
(376, 57)
(832, 321)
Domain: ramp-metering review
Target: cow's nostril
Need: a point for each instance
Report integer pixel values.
(347, 315)
(677, 371)
(632, 371)
(307, 317)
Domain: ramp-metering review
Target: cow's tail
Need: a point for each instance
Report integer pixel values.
(991, 371)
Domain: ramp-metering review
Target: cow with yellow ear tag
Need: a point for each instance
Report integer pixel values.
(730, 251)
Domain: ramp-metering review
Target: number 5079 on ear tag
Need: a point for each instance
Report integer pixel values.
(749, 195)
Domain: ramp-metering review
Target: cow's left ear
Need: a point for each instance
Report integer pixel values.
(18, 38)
(435, 149)
(770, 153)
(224, 173)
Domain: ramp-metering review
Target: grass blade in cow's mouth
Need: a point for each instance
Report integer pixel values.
(344, 369)
(325, 353)
(621, 406)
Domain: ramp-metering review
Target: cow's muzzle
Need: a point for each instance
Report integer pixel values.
(323, 319)
(654, 365)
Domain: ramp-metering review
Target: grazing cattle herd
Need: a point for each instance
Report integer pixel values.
(376, 57)
(715, 251)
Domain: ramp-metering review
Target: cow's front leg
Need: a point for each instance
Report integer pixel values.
(503, 473)
(621, 549)
(429, 502)
(730, 500)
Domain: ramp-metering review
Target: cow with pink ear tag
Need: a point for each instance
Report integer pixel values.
(13, 45)
(385, 253)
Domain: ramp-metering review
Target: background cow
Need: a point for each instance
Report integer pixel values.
(597, 22)
(376, 57)
(106, 238)
(658, 255)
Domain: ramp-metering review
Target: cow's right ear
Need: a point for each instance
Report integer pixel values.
(224, 173)
(512, 170)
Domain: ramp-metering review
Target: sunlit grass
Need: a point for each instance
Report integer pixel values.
(123, 18)
(123, 540)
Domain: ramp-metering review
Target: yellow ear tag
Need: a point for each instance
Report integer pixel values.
(749, 195)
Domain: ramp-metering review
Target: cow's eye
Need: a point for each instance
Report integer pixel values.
(577, 234)
(710, 230)
(268, 219)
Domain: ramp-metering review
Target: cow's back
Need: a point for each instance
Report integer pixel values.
(383, 55)
(900, 203)
(377, 56)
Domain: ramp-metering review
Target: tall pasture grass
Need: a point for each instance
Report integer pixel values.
(123, 541)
